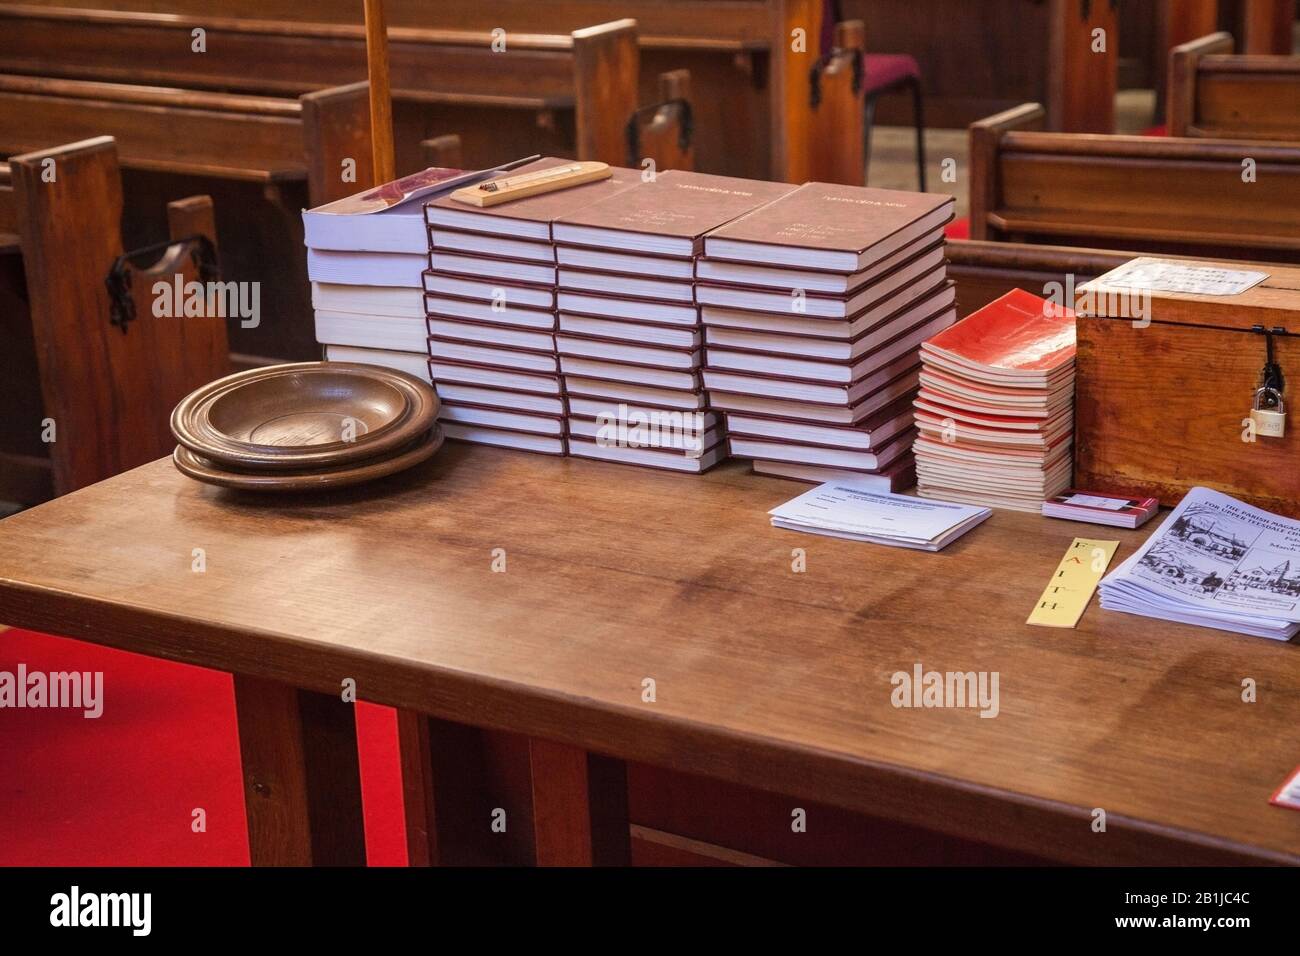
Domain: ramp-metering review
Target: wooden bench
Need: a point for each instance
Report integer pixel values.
(1144, 193)
(105, 391)
(570, 94)
(753, 111)
(263, 159)
(1214, 93)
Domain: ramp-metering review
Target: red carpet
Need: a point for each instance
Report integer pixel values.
(122, 789)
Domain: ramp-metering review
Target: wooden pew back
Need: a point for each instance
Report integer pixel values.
(105, 392)
(190, 132)
(473, 74)
(1223, 198)
(1215, 94)
(264, 158)
(984, 271)
(751, 76)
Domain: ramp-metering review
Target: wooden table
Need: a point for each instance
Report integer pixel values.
(614, 575)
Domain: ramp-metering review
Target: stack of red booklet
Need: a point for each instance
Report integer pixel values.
(490, 307)
(996, 405)
(814, 308)
(629, 337)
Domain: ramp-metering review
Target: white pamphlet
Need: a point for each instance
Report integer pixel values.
(1218, 562)
(851, 509)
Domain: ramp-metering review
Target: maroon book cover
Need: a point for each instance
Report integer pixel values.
(833, 217)
(675, 205)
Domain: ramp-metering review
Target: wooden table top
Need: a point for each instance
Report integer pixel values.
(763, 676)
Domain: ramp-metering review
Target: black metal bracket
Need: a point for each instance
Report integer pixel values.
(1271, 376)
(632, 133)
(122, 306)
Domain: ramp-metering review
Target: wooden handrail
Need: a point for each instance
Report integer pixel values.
(1145, 147)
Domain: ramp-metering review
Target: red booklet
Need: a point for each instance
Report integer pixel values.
(1019, 337)
(1097, 508)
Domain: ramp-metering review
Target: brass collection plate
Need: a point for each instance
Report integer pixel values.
(317, 479)
(301, 416)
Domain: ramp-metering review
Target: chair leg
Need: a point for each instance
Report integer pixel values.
(866, 136)
(919, 118)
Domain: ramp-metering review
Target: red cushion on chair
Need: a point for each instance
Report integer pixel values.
(883, 70)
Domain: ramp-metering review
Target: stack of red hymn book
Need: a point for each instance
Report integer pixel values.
(996, 405)
(814, 309)
(490, 306)
(629, 339)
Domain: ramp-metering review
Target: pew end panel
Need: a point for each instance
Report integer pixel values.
(984, 139)
(838, 103)
(336, 135)
(1216, 94)
(446, 151)
(606, 63)
(108, 391)
(667, 136)
(1183, 62)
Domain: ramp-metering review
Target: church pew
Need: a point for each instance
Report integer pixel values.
(80, 398)
(750, 69)
(984, 270)
(1189, 196)
(263, 159)
(570, 94)
(1216, 94)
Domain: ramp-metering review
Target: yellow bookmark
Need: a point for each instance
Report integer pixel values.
(1071, 587)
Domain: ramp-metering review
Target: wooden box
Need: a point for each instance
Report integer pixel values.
(1160, 407)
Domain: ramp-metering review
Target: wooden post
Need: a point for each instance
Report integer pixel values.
(1083, 66)
(381, 101)
(302, 783)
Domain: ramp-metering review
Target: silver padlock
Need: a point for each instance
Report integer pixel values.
(1269, 422)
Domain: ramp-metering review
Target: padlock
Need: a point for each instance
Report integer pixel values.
(1269, 422)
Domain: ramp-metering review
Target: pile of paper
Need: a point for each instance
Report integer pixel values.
(995, 410)
(1216, 562)
(853, 508)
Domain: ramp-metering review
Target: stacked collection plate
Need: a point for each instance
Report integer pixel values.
(305, 426)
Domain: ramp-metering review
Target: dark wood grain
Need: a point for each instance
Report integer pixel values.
(579, 806)
(468, 794)
(764, 677)
(302, 783)
(71, 235)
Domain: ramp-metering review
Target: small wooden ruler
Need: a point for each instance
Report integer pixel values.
(496, 191)
(1076, 577)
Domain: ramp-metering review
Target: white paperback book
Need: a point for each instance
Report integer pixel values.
(398, 269)
(367, 299)
(851, 509)
(397, 333)
(1216, 562)
(413, 363)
